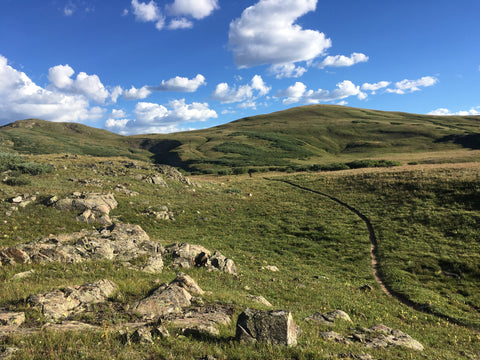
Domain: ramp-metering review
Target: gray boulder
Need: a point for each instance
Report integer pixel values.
(272, 327)
(60, 303)
(329, 318)
(167, 299)
(91, 206)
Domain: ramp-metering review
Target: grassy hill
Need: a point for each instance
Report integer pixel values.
(424, 215)
(294, 139)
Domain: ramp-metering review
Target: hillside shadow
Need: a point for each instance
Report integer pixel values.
(470, 141)
(163, 153)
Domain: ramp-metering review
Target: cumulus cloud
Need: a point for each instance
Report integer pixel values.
(343, 61)
(180, 10)
(156, 118)
(446, 112)
(298, 93)
(115, 93)
(376, 86)
(249, 92)
(21, 98)
(88, 85)
(148, 12)
(136, 94)
(266, 33)
(181, 84)
(198, 9)
(287, 71)
(409, 86)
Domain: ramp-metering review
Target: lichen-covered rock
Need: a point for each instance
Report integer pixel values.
(10, 321)
(60, 303)
(260, 300)
(271, 327)
(91, 207)
(185, 255)
(329, 318)
(121, 242)
(167, 299)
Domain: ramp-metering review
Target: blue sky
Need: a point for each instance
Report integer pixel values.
(157, 66)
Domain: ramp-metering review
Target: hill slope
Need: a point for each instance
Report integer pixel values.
(304, 135)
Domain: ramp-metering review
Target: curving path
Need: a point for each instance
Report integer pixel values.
(425, 308)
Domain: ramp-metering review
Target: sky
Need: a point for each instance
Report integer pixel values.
(162, 66)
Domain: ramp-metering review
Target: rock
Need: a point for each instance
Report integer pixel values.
(270, 268)
(166, 299)
(329, 318)
(186, 255)
(23, 275)
(142, 335)
(124, 190)
(16, 199)
(8, 352)
(156, 180)
(260, 300)
(186, 282)
(366, 287)
(121, 242)
(90, 205)
(201, 320)
(65, 326)
(174, 174)
(392, 337)
(333, 336)
(10, 321)
(58, 304)
(220, 262)
(271, 327)
(160, 332)
(14, 256)
(154, 265)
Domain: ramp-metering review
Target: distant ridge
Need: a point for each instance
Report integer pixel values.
(300, 135)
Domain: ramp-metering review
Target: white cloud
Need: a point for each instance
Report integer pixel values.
(298, 93)
(68, 10)
(21, 98)
(198, 9)
(148, 13)
(266, 33)
(225, 94)
(446, 112)
(181, 84)
(87, 85)
(115, 93)
(156, 118)
(118, 113)
(287, 70)
(343, 61)
(408, 86)
(180, 23)
(376, 86)
(136, 94)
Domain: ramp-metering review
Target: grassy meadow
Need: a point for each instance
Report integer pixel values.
(426, 218)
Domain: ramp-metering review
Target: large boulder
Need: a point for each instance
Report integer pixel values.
(60, 303)
(168, 298)
(272, 327)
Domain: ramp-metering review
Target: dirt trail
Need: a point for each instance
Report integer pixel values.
(425, 308)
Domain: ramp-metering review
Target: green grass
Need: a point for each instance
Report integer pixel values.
(425, 221)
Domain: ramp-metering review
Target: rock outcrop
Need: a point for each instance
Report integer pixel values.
(377, 336)
(271, 327)
(92, 207)
(119, 242)
(60, 303)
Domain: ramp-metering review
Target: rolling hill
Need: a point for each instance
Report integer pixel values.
(316, 134)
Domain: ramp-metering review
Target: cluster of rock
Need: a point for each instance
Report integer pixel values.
(163, 213)
(124, 243)
(20, 201)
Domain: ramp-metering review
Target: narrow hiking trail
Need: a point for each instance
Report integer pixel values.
(425, 308)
